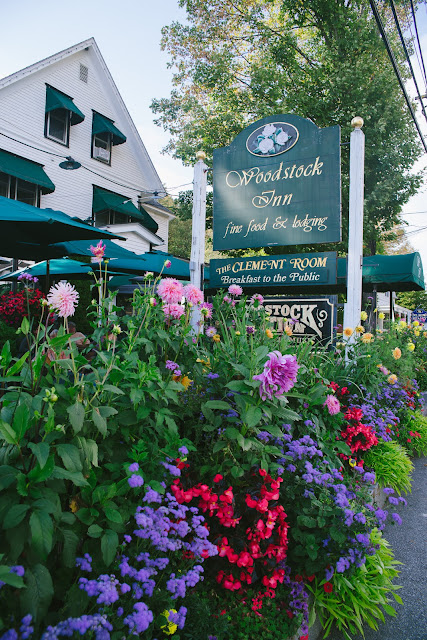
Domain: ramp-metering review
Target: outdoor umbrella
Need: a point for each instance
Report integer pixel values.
(82, 248)
(62, 268)
(29, 232)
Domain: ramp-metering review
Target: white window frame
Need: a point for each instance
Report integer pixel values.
(65, 141)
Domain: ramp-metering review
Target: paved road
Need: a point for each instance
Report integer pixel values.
(409, 543)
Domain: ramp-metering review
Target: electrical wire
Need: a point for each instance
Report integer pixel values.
(396, 69)
(31, 147)
(408, 59)
(418, 39)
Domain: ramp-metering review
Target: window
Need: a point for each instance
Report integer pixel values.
(17, 189)
(58, 126)
(104, 218)
(101, 147)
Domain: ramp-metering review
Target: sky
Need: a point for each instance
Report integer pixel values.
(128, 34)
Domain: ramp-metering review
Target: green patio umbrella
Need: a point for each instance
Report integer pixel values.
(82, 248)
(29, 232)
(62, 268)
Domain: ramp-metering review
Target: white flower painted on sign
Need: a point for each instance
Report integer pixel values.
(266, 145)
(268, 130)
(282, 138)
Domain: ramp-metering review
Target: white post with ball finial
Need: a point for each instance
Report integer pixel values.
(353, 306)
(197, 257)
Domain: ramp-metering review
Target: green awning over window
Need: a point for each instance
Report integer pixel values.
(57, 100)
(388, 273)
(101, 124)
(104, 200)
(25, 170)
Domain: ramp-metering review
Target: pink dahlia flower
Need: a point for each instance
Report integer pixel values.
(235, 290)
(173, 310)
(210, 331)
(257, 297)
(193, 294)
(98, 251)
(279, 375)
(170, 290)
(332, 404)
(64, 298)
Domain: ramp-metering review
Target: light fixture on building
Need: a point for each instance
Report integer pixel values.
(69, 164)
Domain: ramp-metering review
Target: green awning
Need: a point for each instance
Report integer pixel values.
(57, 100)
(101, 124)
(388, 273)
(103, 200)
(25, 170)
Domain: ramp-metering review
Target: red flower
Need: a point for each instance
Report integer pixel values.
(328, 587)
(218, 477)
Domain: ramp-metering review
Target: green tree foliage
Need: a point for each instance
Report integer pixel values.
(413, 299)
(238, 61)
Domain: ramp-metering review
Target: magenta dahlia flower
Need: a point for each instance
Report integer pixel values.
(235, 290)
(279, 375)
(332, 404)
(98, 251)
(64, 298)
(193, 294)
(170, 290)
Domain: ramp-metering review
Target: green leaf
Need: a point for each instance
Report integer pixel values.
(307, 521)
(36, 598)
(7, 433)
(21, 420)
(252, 416)
(15, 515)
(274, 430)
(40, 475)
(99, 421)
(221, 444)
(76, 413)
(41, 526)
(10, 578)
(216, 404)
(237, 385)
(7, 476)
(6, 355)
(94, 531)
(16, 368)
(109, 544)
(85, 516)
(90, 450)
(106, 412)
(342, 447)
(71, 541)
(113, 515)
(68, 517)
(113, 389)
(41, 451)
(237, 472)
(25, 326)
(70, 457)
(76, 477)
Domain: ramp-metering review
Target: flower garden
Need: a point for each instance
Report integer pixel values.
(220, 484)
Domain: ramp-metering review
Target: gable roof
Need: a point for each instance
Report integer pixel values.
(135, 141)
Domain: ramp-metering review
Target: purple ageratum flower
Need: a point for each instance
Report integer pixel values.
(170, 364)
(396, 518)
(212, 376)
(135, 481)
(84, 563)
(369, 477)
(393, 500)
(134, 467)
(183, 450)
(140, 620)
(279, 375)
(388, 491)
(360, 517)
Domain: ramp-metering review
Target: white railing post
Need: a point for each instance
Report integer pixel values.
(197, 257)
(353, 306)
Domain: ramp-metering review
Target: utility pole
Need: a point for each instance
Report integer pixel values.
(353, 306)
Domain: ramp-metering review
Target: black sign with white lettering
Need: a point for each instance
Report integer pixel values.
(308, 318)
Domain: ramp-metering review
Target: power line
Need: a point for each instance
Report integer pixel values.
(31, 147)
(408, 59)
(418, 40)
(395, 67)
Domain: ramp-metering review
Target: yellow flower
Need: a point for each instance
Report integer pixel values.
(288, 330)
(410, 346)
(237, 333)
(417, 333)
(367, 337)
(396, 353)
(415, 323)
(348, 331)
(425, 334)
(352, 462)
(216, 338)
(392, 379)
(269, 333)
(402, 323)
(359, 329)
(381, 315)
(184, 380)
(74, 505)
(363, 315)
(169, 628)
(205, 362)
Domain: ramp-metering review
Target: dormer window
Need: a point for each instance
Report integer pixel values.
(105, 135)
(61, 114)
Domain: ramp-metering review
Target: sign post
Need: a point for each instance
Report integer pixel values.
(353, 306)
(197, 256)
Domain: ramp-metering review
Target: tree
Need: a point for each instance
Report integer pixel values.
(239, 60)
(413, 299)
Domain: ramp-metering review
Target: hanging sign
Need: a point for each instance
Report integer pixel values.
(309, 318)
(278, 270)
(277, 183)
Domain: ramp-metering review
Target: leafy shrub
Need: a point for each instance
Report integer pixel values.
(413, 434)
(8, 333)
(350, 602)
(392, 466)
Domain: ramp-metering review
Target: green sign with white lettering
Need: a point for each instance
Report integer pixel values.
(278, 183)
(270, 271)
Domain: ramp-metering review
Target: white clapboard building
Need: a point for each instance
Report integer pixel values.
(68, 106)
